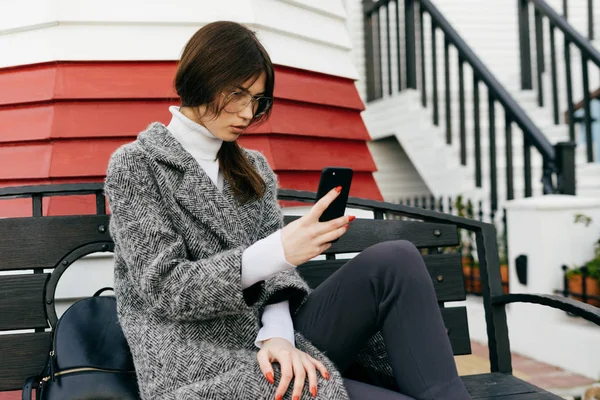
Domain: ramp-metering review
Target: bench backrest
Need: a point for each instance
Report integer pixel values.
(37, 250)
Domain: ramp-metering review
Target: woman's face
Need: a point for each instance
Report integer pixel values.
(228, 126)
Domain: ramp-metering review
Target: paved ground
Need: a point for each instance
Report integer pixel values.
(543, 375)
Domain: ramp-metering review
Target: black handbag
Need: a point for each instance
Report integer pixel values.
(89, 358)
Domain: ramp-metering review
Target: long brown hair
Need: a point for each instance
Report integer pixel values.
(220, 56)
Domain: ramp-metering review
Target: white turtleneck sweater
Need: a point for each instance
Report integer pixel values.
(259, 261)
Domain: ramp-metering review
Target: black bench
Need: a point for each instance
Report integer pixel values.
(45, 246)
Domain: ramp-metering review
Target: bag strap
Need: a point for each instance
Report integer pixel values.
(104, 289)
(30, 384)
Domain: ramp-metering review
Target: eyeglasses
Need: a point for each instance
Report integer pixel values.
(237, 101)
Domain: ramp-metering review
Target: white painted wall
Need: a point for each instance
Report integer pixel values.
(543, 228)
(396, 175)
(305, 34)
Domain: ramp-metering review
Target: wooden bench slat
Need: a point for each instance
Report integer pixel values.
(23, 355)
(22, 301)
(367, 232)
(504, 386)
(446, 266)
(29, 243)
(455, 320)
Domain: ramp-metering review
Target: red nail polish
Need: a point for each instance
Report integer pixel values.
(347, 226)
(270, 378)
(279, 397)
(296, 397)
(326, 375)
(338, 189)
(351, 218)
(313, 391)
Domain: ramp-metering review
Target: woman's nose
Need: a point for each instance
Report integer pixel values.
(247, 112)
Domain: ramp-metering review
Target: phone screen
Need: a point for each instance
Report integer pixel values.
(332, 177)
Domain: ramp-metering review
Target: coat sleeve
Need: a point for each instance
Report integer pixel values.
(286, 285)
(154, 253)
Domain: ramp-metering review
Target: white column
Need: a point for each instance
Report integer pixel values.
(543, 229)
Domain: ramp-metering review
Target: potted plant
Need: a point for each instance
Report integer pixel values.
(471, 273)
(588, 275)
(503, 256)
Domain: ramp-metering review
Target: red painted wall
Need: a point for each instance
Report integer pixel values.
(60, 121)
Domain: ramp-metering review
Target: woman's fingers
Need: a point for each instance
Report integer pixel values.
(319, 365)
(300, 376)
(320, 206)
(265, 366)
(335, 223)
(311, 372)
(287, 372)
(331, 236)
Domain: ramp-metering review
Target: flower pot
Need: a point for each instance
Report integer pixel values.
(471, 277)
(592, 288)
(504, 275)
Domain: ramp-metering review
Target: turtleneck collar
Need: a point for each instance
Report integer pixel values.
(193, 137)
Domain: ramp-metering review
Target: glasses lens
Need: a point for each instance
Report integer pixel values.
(262, 106)
(236, 101)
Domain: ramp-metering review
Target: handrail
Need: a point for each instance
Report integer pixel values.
(571, 37)
(537, 138)
(557, 175)
(567, 29)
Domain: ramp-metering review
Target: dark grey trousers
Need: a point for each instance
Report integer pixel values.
(385, 288)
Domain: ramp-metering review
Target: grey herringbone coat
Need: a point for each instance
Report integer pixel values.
(178, 253)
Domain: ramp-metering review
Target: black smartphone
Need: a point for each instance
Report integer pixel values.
(332, 177)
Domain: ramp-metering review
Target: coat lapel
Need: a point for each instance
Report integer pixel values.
(193, 189)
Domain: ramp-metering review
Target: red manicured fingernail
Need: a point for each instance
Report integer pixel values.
(338, 189)
(270, 378)
(347, 226)
(279, 397)
(326, 375)
(296, 397)
(313, 391)
(351, 218)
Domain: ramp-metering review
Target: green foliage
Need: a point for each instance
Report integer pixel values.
(593, 265)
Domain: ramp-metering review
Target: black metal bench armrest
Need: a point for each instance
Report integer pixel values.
(575, 307)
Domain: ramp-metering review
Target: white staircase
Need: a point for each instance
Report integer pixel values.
(491, 29)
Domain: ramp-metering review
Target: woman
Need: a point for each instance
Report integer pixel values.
(208, 295)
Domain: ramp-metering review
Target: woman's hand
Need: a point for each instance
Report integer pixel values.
(294, 364)
(306, 237)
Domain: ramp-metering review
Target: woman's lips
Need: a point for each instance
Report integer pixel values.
(238, 128)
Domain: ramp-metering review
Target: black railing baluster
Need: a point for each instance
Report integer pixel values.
(369, 57)
(480, 213)
(389, 48)
(524, 45)
(411, 52)
(423, 72)
(510, 186)
(565, 9)
(477, 130)
(527, 167)
(587, 117)
(570, 107)
(379, 56)
(590, 14)
(398, 52)
(492, 144)
(539, 50)
(436, 108)
(447, 90)
(553, 71)
(461, 102)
